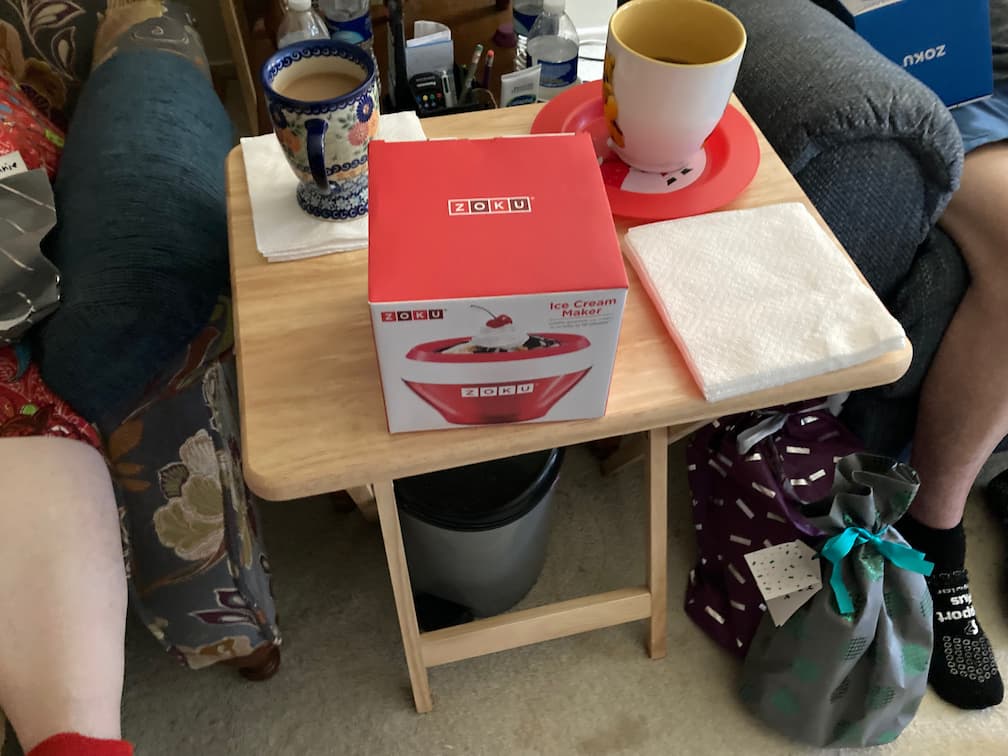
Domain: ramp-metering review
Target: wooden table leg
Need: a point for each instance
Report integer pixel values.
(657, 578)
(631, 449)
(634, 447)
(364, 499)
(395, 555)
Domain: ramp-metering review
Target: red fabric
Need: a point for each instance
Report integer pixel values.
(24, 129)
(72, 744)
(28, 407)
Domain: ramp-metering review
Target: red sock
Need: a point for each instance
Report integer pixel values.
(72, 744)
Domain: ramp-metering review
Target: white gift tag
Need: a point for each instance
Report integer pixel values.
(787, 576)
(12, 163)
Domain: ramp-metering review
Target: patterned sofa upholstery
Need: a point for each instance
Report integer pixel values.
(198, 573)
(141, 344)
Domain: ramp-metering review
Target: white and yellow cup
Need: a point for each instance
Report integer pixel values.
(670, 67)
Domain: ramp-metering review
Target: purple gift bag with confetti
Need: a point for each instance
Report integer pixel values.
(750, 476)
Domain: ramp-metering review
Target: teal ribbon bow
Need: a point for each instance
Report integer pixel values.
(840, 545)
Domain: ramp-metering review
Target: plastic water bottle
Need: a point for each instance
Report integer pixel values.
(553, 43)
(523, 16)
(349, 21)
(299, 23)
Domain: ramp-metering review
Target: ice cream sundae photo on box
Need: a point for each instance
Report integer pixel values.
(505, 375)
(496, 282)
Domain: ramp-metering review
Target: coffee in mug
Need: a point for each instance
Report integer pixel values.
(670, 67)
(322, 97)
(320, 86)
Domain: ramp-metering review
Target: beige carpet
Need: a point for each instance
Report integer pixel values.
(343, 687)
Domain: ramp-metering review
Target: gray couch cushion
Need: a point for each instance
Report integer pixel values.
(999, 37)
(879, 156)
(885, 416)
(813, 85)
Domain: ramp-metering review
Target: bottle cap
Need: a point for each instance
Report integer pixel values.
(298, 5)
(553, 6)
(505, 36)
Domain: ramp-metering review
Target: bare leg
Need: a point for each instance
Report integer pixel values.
(963, 411)
(62, 591)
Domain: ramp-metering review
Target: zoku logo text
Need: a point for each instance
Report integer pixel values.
(489, 205)
(402, 316)
(938, 51)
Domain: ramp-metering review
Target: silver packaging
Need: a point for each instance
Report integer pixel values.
(29, 283)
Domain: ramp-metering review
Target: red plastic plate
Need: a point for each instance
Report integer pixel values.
(731, 152)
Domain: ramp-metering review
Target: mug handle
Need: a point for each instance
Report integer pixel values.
(316, 129)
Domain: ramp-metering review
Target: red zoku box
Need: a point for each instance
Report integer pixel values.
(495, 280)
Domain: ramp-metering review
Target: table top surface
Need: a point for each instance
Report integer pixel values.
(312, 414)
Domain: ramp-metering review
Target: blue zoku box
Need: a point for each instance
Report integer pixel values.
(944, 43)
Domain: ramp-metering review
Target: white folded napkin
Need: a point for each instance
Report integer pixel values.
(283, 230)
(759, 298)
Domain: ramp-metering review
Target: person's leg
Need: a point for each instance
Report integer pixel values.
(62, 591)
(963, 411)
(962, 415)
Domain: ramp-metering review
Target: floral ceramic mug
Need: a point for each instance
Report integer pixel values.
(322, 99)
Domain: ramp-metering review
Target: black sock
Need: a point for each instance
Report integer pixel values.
(946, 548)
(963, 669)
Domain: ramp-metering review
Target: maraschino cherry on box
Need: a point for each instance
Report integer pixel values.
(495, 280)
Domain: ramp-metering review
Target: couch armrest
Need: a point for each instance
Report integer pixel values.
(199, 575)
(876, 151)
(141, 234)
(884, 416)
(812, 83)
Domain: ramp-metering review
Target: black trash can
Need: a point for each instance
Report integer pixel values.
(477, 535)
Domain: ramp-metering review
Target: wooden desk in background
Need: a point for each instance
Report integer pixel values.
(251, 28)
(472, 23)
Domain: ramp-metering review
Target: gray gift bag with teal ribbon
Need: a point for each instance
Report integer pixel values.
(849, 668)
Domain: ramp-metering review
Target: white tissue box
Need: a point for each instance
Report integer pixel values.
(495, 281)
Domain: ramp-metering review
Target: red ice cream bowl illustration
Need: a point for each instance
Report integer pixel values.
(477, 388)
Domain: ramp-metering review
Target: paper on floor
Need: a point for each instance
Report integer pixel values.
(283, 230)
(760, 297)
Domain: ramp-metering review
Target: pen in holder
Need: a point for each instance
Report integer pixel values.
(470, 75)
